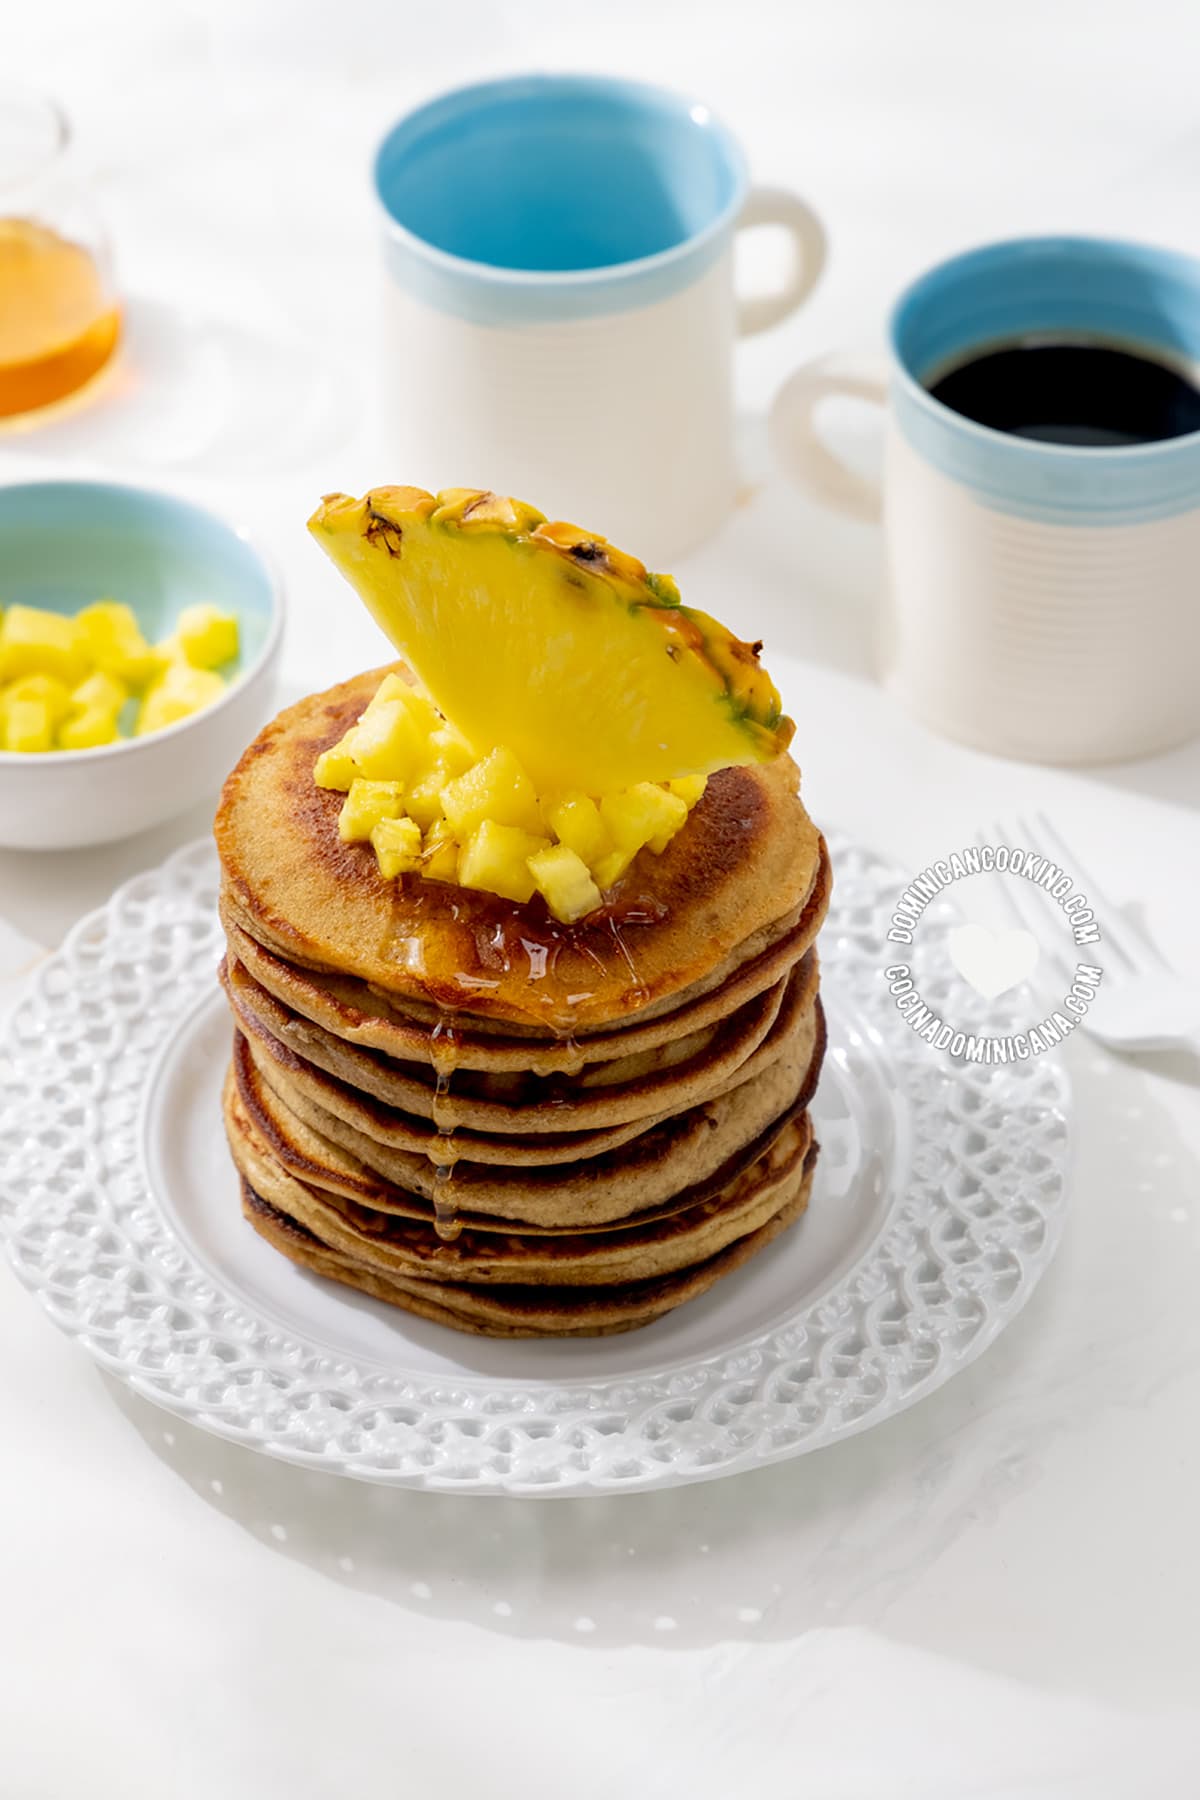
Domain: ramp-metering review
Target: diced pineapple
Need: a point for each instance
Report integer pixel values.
(111, 639)
(565, 883)
(101, 692)
(496, 859)
(207, 636)
(423, 801)
(393, 687)
(178, 693)
(440, 861)
(643, 814)
(609, 870)
(690, 788)
(334, 768)
(449, 752)
(45, 688)
(34, 642)
(365, 805)
(27, 725)
(84, 730)
(387, 744)
(397, 845)
(576, 822)
(496, 789)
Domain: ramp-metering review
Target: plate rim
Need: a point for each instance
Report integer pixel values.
(102, 924)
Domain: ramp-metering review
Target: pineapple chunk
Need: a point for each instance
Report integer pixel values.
(365, 805)
(387, 744)
(44, 688)
(179, 692)
(451, 753)
(34, 642)
(440, 861)
(690, 788)
(423, 801)
(207, 636)
(576, 822)
(101, 692)
(496, 858)
(28, 725)
(497, 790)
(609, 870)
(111, 639)
(394, 688)
(88, 728)
(334, 768)
(397, 846)
(565, 883)
(644, 814)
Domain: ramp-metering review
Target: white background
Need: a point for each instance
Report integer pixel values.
(996, 1595)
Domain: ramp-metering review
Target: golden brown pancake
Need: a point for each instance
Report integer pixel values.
(674, 1164)
(400, 1028)
(522, 1311)
(488, 1253)
(538, 1139)
(733, 881)
(669, 1079)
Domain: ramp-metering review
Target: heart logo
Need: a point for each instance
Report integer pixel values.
(993, 961)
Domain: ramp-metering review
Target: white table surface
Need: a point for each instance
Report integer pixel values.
(997, 1594)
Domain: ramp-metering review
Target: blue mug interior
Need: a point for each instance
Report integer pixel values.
(1129, 294)
(559, 173)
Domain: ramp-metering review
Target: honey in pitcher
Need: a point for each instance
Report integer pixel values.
(58, 325)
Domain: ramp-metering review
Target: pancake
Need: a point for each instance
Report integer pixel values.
(735, 880)
(539, 1140)
(519, 1311)
(352, 1010)
(668, 1079)
(501, 1123)
(638, 1250)
(676, 1163)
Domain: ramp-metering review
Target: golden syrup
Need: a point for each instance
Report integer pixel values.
(58, 326)
(639, 993)
(444, 1054)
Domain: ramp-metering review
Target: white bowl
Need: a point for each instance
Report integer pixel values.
(64, 544)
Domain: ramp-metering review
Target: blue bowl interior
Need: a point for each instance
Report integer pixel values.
(558, 173)
(64, 544)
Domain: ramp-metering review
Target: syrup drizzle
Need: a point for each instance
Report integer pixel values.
(443, 1049)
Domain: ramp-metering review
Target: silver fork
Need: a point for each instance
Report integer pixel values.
(1141, 1003)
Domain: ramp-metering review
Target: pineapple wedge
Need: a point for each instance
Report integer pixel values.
(548, 641)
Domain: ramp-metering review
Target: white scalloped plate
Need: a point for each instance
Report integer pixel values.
(938, 1203)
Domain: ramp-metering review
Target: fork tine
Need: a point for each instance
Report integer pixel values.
(1125, 939)
(1028, 914)
(1027, 838)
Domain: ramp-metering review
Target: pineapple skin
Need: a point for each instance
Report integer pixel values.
(517, 627)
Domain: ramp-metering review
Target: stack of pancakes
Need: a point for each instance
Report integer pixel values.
(499, 1122)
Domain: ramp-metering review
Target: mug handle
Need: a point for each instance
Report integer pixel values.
(797, 445)
(778, 206)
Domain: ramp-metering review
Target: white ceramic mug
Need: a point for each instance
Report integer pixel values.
(560, 311)
(1042, 598)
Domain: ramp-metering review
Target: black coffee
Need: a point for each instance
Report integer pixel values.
(1072, 393)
